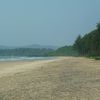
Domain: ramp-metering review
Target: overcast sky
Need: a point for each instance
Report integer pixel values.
(46, 22)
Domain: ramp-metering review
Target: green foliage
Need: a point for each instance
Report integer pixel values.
(64, 51)
(89, 45)
(24, 52)
(78, 44)
(97, 58)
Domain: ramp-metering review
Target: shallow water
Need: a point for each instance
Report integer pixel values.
(16, 58)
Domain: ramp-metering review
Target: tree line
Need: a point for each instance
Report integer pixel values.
(89, 45)
(64, 51)
(24, 52)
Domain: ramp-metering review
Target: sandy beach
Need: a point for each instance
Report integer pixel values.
(63, 78)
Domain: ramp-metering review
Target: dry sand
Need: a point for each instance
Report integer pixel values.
(65, 78)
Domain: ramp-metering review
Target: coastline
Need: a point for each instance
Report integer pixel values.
(23, 58)
(14, 66)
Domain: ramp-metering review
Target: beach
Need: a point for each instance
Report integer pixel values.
(62, 78)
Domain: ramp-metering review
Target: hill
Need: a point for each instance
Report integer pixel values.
(41, 46)
(34, 46)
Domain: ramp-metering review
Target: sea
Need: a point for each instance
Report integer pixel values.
(17, 58)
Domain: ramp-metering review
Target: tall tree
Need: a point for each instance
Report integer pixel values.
(78, 44)
(89, 44)
(97, 40)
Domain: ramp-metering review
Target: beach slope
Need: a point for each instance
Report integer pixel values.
(65, 78)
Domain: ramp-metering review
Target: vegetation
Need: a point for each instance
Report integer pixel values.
(64, 51)
(89, 45)
(24, 52)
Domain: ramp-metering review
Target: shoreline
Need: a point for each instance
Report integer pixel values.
(18, 66)
(15, 58)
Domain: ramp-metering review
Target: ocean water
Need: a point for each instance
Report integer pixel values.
(16, 58)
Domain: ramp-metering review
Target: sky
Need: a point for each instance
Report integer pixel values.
(46, 22)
